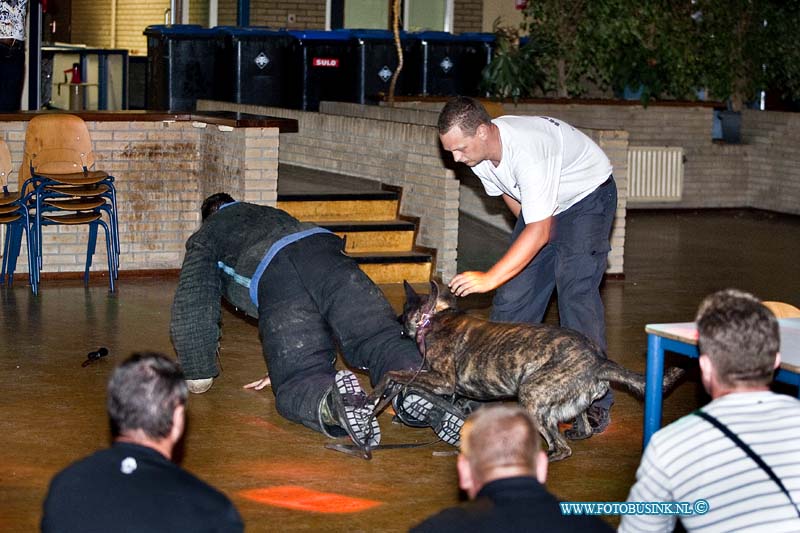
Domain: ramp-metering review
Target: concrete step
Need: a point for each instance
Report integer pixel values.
(394, 267)
(346, 206)
(374, 235)
(381, 243)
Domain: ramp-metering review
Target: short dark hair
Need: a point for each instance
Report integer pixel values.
(143, 392)
(464, 112)
(212, 204)
(498, 436)
(740, 335)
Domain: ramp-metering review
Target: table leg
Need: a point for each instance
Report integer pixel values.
(653, 385)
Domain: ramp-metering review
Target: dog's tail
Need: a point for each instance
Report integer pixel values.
(635, 381)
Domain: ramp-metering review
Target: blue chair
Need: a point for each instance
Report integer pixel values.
(14, 216)
(62, 188)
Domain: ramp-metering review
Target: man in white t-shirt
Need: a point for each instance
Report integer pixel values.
(558, 184)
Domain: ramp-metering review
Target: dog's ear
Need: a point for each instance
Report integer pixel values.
(434, 288)
(412, 298)
(433, 297)
(446, 300)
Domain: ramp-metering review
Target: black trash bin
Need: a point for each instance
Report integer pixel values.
(377, 61)
(180, 66)
(325, 68)
(137, 82)
(452, 64)
(253, 66)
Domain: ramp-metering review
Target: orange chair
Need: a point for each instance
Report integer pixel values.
(782, 309)
(62, 188)
(14, 216)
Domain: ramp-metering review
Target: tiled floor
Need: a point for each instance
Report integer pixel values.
(53, 409)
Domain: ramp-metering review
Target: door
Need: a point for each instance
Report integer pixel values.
(57, 22)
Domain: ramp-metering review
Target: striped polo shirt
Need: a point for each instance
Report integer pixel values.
(691, 460)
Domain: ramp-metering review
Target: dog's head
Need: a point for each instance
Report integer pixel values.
(419, 308)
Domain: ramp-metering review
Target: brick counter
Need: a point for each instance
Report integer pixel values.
(164, 165)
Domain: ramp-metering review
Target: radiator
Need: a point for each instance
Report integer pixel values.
(655, 173)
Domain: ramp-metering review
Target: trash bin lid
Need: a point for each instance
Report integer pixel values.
(250, 31)
(476, 36)
(180, 30)
(435, 36)
(379, 35)
(318, 35)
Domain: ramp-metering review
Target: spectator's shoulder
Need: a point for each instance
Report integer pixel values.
(455, 519)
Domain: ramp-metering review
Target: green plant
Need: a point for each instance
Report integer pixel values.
(513, 72)
(669, 48)
(558, 27)
(749, 46)
(650, 44)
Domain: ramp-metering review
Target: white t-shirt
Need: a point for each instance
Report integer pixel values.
(547, 165)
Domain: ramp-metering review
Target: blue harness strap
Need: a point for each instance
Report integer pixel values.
(276, 247)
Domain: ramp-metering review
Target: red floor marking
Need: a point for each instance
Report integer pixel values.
(260, 422)
(303, 499)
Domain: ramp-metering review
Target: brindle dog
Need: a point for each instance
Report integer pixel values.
(555, 373)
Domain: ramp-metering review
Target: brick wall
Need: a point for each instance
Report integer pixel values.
(763, 172)
(473, 199)
(467, 16)
(773, 159)
(198, 13)
(405, 155)
(163, 171)
(226, 12)
(308, 14)
(91, 22)
(690, 127)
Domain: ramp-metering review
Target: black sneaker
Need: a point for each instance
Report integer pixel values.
(599, 418)
(355, 415)
(431, 410)
(404, 416)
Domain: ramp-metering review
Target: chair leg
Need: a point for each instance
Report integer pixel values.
(38, 229)
(109, 255)
(11, 249)
(33, 276)
(6, 246)
(90, 247)
(15, 231)
(115, 228)
(33, 244)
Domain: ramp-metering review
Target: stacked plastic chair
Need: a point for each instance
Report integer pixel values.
(14, 216)
(782, 309)
(61, 187)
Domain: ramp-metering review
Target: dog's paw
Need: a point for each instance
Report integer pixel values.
(558, 454)
(574, 434)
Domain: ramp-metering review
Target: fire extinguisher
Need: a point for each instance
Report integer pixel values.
(76, 73)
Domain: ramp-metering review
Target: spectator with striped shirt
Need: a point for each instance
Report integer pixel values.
(741, 452)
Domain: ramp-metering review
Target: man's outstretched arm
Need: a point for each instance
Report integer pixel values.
(522, 251)
(196, 312)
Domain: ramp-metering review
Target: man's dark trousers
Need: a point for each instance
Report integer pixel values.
(310, 294)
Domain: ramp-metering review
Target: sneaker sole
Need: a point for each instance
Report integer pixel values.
(445, 420)
(199, 386)
(362, 427)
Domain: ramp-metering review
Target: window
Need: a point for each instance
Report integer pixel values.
(417, 15)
